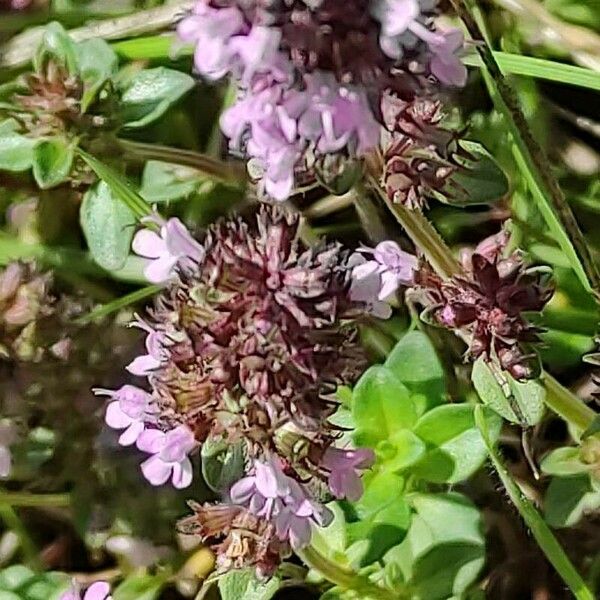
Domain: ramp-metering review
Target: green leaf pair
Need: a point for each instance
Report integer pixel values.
(20, 583)
(396, 410)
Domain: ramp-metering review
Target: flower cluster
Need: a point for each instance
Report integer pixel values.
(488, 302)
(418, 153)
(312, 74)
(245, 346)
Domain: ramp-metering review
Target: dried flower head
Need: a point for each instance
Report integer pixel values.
(488, 303)
(418, 152)
(25, 302)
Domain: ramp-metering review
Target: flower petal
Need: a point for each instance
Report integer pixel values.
(156, 471)
(182, 474)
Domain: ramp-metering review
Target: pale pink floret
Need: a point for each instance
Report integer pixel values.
(393, 266)
(100, 590)
(130, 410)
(269, 493)
(173, 246)
(155, 347)
(170, 455)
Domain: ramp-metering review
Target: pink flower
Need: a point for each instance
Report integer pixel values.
(170, 455)
(174, 246)
(211, 29)
(445, 64)
(393, 266)
(100, 590)
(131, 409)
(269, 493)
(155, 346)
(343, 467)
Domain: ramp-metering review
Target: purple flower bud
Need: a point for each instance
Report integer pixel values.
(170, 455)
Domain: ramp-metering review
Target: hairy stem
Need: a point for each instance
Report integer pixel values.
(187, 158)
(345, 578)
(540, 530)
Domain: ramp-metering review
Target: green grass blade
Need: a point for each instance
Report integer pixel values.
(119, 186)
(111, 307)
(540, 68)
(531, 158)
(540, 530)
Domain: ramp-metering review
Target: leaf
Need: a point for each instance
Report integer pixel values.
(402, 450)
(17, 582)
(447, 569)
(236, 585)
(120, 187)
(165, 182)
(98, 63)
(567, 499)
(108, 226)
(149, 93)
(456, 448)
(381, 406)
(58, 47)
(222, 464)
(517, 402)
(564, 462)
(139, 587)
(52, 160)
(451, 523)
(480, 180)
(16, 150)
(415, 363)
(381, 490)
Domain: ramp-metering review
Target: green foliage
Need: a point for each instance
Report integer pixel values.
(108, 226)
(480, 180)
(149, 93)
(222, 464)
(244, 584)
(16, 150)
(139, 587)
(518, 402)
(20, 583)
(52, 160)
(568, 499)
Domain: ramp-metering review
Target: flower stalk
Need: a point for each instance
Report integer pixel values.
(343, 577)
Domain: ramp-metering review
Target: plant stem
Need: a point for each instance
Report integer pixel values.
(343, 577)
(567, 405)
(530, 157)
(540, 530)
(207, 165)
(20, 49)
(29, 500)
(14, 523)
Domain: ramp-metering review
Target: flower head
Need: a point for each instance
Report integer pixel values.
(487, 302)
(169, 455)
